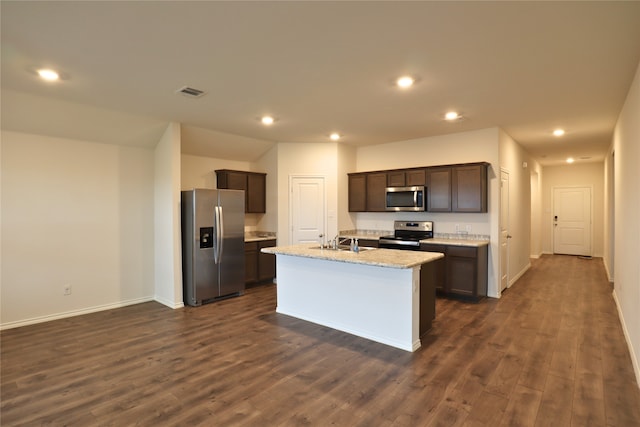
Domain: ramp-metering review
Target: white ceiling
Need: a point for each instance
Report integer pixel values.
(320, 67)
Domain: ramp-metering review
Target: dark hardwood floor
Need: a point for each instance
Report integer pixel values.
(549, 353)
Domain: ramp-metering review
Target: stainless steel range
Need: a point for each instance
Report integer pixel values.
(407, 235)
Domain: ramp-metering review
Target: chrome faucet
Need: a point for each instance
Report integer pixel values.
(343, 241)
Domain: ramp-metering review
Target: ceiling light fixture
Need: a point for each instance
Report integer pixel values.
(48, 74)
(405, 81)
(558, 132)
(267, 120)
(570, 160)
(452, 115)
(334, 136)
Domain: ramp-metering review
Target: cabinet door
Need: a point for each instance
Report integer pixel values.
(395, 179)
(251, 262)
(415, 177)
(266, 262)
(469, 190)
(440, 265)
(376, 192)
(439, 189)
(256, 193)
(232, 180)
(462, 273)
(357, 193)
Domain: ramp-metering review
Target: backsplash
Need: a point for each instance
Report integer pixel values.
(461, 236)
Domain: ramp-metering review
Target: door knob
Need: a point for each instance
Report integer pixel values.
(509, 236)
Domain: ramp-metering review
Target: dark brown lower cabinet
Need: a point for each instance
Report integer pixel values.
(259, 267)
(266, 262)
(372, 243)
(439, 265)
(250, 262)
(427, 296)
(464, 271)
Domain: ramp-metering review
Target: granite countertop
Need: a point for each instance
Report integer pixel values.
(255, 236)
(392, 258)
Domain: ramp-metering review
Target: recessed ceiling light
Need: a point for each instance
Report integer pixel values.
(570, 160)
(267, 120)
(48, 75)
(334, 136)
(452, 115)
(405, 81)
(558, 132)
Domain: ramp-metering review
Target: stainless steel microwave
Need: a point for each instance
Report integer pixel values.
(406, 199)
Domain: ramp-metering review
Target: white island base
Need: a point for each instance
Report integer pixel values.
(374, 302)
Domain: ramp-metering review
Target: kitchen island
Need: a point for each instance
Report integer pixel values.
(384, 295)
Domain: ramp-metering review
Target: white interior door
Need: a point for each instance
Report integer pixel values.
(308, 209)
(572, 220)
(504, 230)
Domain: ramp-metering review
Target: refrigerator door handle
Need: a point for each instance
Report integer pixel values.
(216, 234)
(220, 233)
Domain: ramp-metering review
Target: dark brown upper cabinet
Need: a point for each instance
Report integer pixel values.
(469, 188)
(396, 179)
(376, 192)
(450, 188)
(406, 178)
(357, 192)
(254, 185)
(439, 189)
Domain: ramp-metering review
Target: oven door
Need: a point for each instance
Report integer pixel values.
(405, 245)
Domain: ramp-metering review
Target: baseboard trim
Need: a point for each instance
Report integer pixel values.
(170, 304)
(520, 274)
(606, 269)
(72, 313)
(634, 357)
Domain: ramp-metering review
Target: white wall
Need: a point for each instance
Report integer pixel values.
(167, 219)
(78, 213)
(609, 216)
(346, 164)
(626, 146)
(199, 172)
(268, 164)
(319, 159)
(536, 211)
(512, 160)
(574, 175)
(465, 147)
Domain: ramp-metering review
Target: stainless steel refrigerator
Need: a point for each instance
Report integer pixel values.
(212, 244)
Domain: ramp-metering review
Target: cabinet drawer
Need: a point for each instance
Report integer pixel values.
(266, 243)
(462, 251)
(250, 246)
(433, 248)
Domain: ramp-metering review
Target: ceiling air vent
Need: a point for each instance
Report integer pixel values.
(190, 92)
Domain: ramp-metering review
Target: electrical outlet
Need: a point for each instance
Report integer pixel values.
(457, 228)
(67, 289)
(468, 228)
